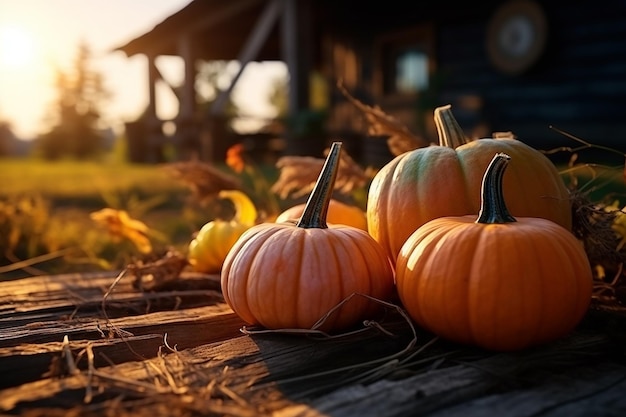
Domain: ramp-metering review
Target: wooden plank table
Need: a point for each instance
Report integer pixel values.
(91, 344)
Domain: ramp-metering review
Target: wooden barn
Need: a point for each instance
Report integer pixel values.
(515, 65)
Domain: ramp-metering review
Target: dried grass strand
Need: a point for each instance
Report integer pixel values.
(399, 138)
(27, 263)
(585, 144)
(90, 372)
(386, 362)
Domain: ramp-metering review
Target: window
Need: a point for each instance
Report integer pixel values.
(405, 62)
(411, 71)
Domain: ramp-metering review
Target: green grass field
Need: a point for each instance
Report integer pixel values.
(54, 201)
(84, 182)
(64, 194)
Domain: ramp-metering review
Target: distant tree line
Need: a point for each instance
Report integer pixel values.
(76, 112)
(7, 138)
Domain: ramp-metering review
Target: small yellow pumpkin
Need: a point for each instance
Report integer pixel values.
(496, 282)
(286, 275)
(209, 248)
(338, 213)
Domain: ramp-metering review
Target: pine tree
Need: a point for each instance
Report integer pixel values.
(80, 95)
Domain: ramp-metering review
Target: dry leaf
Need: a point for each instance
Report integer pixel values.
(399, 138)
(298, 175)
(158, 272)
(205, 180)
(350, 175)
(121, 226)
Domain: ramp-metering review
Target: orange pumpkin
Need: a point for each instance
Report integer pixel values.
(338, 213)
(444, 180)
(496, 282)
(286, 275)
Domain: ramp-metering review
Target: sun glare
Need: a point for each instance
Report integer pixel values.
(17, 48)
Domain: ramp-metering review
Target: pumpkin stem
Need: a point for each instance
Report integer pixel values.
(314, 215)
(448, 129)
(245, 211)
(492, 206)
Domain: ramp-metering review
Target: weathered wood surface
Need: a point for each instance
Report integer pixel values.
(61, 355)
(37, 313)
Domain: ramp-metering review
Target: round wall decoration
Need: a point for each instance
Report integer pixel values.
(516, 36)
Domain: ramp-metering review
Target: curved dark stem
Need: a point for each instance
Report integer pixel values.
(314, 215)
(492, 206)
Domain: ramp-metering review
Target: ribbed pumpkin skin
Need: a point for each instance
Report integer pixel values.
(338, 213)
(284, 276)
(500, 286)
(437, 181)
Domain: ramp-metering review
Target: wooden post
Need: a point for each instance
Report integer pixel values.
(256, 39)
(296, 50)
(296, 43)
(142, 135)
(215, 137)
(187, 128)
(153, 75)
(188, 93)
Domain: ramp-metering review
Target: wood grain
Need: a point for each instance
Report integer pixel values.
(181, 351)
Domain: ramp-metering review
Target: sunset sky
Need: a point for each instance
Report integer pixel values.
(38, 36)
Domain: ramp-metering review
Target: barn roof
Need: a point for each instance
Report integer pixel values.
(218, 29)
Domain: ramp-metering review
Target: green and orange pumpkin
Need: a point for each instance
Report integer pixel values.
(445, 179)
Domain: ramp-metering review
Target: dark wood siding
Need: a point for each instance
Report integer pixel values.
(578, 86)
